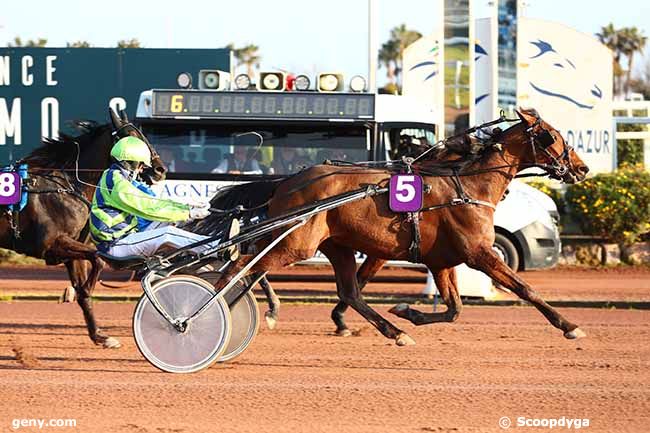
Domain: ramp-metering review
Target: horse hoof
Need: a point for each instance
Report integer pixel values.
(111, 343)
(404, 340)
(344, 332)
(68, 295)
(271, 320)
(575, 334)
(400, 310)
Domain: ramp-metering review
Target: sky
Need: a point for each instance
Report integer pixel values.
(300, 36)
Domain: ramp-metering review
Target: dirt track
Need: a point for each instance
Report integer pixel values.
(566, 284)
(463, 377)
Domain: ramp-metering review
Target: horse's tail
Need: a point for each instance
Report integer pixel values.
(247, 196)
(244, 200)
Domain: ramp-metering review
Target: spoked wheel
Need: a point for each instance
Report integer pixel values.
(245, 321)
(194, 349)
(245, 324)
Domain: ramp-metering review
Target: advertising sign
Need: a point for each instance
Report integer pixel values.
(43, 89)
(567, 76)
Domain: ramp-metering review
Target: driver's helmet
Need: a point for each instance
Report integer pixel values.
(132, 149)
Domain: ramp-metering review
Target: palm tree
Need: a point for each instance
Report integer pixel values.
(611, 38)
(129, 43)
(391, 53)
(633, 41)
(402, 38)
(78, 44)
(388, 54)
(247, 55)
(18, 42)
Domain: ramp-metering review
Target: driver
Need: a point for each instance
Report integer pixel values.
(120, 201)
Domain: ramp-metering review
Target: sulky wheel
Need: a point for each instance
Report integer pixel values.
(245, 321)
(206, 336)
(245, 324)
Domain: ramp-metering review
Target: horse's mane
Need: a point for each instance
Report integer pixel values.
(461, 151)
(61, 152)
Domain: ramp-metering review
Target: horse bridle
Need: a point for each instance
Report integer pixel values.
(559, 165)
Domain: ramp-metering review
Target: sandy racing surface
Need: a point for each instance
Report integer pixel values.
(567, 284)
(462, 377)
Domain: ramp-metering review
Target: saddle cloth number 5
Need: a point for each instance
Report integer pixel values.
(405, 192)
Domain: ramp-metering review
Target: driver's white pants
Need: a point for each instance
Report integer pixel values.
(147, 242)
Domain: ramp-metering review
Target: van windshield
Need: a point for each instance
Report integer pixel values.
(285, 149)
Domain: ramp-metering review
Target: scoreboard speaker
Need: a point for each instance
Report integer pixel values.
(330, 82)
(274, 81)
(214, 79)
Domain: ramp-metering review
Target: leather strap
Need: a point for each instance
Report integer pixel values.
(414, 248)
(460, 201)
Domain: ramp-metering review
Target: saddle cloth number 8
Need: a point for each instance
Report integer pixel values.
(9, 188)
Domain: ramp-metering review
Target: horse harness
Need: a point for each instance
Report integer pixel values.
(414, 217)
(12, 212)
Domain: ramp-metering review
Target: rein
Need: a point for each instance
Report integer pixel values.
(69, 189)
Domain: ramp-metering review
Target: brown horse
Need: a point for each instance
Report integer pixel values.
(54, 223)
(451, 235)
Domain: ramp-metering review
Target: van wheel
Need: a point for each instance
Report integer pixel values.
(507, 251)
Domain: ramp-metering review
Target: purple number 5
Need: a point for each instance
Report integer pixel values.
(405, 193)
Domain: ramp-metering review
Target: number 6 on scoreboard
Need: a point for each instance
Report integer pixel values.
(177, 104)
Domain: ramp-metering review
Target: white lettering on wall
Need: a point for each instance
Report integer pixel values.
(10, 124)
(117, 103)
(4, 70)
(28, 78)
(49, 71)
(50, 117)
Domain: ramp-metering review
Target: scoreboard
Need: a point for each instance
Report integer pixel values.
(268, 105)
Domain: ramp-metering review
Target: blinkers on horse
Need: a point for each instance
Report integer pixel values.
(560, 165)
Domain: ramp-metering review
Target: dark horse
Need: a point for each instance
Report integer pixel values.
(451, 235)
(54, 224)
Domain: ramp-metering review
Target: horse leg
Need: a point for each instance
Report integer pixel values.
(487, 261)
(366, 271)
(342, 259)
(84, 281)
(79, 275)
(447, 286)
(271, 315)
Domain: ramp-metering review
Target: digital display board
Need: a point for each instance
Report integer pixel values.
(297, 105)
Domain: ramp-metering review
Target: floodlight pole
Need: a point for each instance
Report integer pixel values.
(372, 46)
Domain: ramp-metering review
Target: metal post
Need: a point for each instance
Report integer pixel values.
(372, 46)
(614, 145)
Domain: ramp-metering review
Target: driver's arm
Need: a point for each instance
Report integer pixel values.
(123, 195)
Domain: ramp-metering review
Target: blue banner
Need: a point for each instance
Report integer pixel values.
(43, 89)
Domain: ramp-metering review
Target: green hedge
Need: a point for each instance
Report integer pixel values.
(614, 205)
(630, 151)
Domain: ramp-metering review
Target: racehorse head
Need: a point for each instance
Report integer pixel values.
(562, 79)
(122, 127)
(547, 149)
